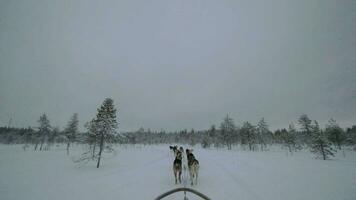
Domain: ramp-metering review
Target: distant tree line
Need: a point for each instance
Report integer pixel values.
(101, 133)
(323, 142)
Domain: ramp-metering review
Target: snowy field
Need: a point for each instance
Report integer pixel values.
(144, 172)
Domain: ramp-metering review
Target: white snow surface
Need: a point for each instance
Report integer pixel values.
(144, 172)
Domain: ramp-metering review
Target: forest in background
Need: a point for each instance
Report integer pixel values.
(102, 132)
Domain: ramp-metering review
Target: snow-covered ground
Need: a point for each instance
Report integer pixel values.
(144, 172)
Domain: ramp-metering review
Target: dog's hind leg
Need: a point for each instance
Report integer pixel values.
(175, 176)
(180, 176)
(196, 176)
(191, 175)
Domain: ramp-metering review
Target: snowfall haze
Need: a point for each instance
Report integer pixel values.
(178, 64)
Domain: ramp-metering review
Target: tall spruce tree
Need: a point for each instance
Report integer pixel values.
(71, 131)
(319, 143)
(106, 125)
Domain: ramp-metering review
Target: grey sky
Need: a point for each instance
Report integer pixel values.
(176, 64)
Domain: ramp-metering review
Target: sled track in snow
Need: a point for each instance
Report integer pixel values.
(240, 183)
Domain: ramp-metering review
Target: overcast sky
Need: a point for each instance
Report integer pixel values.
(177, 64)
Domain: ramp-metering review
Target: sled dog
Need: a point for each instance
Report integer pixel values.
(177, 167)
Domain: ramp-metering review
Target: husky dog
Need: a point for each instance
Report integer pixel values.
(193, 166)
(181, 149)
(177, 167)
(187, 151)
(174, 149)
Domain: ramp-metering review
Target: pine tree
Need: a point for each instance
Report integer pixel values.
(306, 127)
(71, 131)
(92, 137)
(289, 138)
(319, 143)
(262, 133)
(335, 133)
(205, 143)
(43, 130)
(101, 133)
(28, 138)
(192, 141)
(227, 131)
(212, 135)
(248, 135)
(54, 134)
(351, 136)
(106, 125)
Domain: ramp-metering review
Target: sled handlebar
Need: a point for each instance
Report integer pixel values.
(182, 189)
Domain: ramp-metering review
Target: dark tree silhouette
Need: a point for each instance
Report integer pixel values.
(71, 131)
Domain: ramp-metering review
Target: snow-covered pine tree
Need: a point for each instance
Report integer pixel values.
(43, 130)
(101, 133)
(71, 131)
(209, 137)
(306, 126)
(289, 138)
(319, 143)
(262, 133)
(28, 138)
(227, 131)
(54, 134)
(206, 139)
(106, 125)
(335, 133)
(351, 136)
(248, 135)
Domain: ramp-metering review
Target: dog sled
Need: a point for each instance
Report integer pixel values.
(185, 190)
